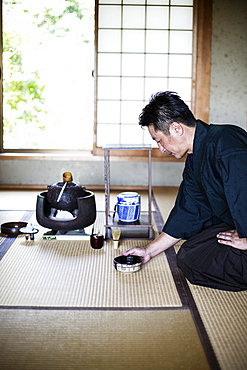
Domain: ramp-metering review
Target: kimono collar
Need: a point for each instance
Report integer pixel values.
(200, 135)
(199, 143)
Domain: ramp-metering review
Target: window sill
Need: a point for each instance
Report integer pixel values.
(116, 156)
(84, 156)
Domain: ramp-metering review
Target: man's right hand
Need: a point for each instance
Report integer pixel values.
(160, 244)
(138, 251)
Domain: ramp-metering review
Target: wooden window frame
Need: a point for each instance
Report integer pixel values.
(202, 31)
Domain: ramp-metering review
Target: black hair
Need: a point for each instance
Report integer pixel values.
(163, 109)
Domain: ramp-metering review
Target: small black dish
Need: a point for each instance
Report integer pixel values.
(12, 228)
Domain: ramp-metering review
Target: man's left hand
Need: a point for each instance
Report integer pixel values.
(231, 238)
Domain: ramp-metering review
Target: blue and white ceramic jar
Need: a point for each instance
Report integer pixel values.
(128, 206)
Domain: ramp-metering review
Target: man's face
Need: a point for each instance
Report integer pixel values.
(174, 144)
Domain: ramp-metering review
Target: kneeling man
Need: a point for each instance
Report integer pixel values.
(210, 212)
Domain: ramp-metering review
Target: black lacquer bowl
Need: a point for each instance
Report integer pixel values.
(12, 228)
(127, 264)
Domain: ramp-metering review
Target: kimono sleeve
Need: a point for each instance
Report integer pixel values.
(233, 168)
(192, 212)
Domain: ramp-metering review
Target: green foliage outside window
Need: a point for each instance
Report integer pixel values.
(24, 93)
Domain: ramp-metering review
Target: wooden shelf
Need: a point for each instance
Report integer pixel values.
(142, 228)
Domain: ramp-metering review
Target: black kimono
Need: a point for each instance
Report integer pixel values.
(212, 198)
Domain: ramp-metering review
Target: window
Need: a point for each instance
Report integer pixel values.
(48, 86)
(142, 46)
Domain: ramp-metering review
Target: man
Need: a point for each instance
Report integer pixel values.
(210, 212)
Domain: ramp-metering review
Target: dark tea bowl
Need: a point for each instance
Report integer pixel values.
(127, 264)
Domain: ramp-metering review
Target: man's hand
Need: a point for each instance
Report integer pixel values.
(231, 238)
(138, 251)
(160, 244)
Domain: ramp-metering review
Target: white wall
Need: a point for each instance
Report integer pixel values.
(228, 92)
(37, 172)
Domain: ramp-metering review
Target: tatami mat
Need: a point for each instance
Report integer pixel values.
(102, 340)
(52, 275)
(224, 315)
(69, 273)
(11, 216)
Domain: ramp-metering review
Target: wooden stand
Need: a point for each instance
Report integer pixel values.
(141, 229)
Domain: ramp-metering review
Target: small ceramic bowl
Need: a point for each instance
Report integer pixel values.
(127, 264)
(12, 228)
